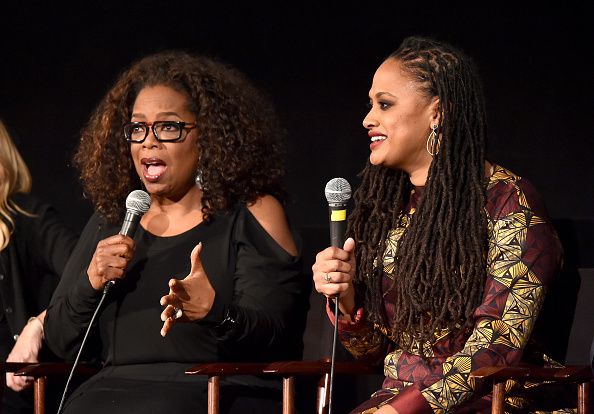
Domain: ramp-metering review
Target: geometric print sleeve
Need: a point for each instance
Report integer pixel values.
(360, 338)
(523, 256)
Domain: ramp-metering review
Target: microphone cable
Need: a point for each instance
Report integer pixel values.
(333, 356)
(103, 296)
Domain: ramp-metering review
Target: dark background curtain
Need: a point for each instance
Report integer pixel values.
(316, 63)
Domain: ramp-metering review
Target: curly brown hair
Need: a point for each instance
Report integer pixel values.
(240, 139)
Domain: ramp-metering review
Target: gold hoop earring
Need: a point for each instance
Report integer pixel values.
(433, 141)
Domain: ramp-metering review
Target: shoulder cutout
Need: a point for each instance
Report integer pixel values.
(271, 215)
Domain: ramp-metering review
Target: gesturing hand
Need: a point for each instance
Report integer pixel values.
(189, 299)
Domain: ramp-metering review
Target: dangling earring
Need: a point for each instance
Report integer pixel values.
(433, 141)
(198, 180)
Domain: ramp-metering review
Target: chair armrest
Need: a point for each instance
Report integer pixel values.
(47, 369)
(13, 366)
(573, 373)
(282, 368)
(227, 368)
(323, 367)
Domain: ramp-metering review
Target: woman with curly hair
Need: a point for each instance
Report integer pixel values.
(205, 145)
(449, 255)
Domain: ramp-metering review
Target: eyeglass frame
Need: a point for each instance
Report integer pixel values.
(151, 126)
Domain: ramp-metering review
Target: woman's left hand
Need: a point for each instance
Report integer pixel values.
(189, 299)
(26, 349)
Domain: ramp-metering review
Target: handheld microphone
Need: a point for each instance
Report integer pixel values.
(338, 193)
(137, 203)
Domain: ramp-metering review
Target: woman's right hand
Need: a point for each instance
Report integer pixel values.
(333, 275)
(110, 260)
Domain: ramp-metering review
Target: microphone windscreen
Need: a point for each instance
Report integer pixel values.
(138, 201)
(338, 191)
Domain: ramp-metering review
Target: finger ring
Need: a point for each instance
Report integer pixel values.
(327, 278)
(178, 313)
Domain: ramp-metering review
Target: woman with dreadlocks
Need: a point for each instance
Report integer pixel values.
(449, 255)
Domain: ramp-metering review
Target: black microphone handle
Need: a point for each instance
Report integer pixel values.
(337, 213)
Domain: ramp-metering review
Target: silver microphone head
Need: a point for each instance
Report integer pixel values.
(138, 201)
(338, 191)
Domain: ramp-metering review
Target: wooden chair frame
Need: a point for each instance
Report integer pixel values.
(40, 373)
(580, 375)
(287, 370)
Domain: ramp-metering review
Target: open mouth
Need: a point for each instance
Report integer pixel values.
(377, 138)
(153, 168)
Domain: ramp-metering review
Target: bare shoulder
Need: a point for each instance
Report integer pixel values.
(271, 215)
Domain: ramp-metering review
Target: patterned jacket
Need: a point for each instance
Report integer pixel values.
(524, 254)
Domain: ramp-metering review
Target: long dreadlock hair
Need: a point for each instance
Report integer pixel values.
(440, 262)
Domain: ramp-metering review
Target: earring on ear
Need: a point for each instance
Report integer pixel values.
(433, 141)
(199, 182)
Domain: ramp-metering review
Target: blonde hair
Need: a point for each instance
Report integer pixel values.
(14, 177)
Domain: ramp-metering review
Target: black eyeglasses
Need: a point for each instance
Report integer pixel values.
(164, 131)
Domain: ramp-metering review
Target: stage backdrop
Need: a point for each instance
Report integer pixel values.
(316, 63)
